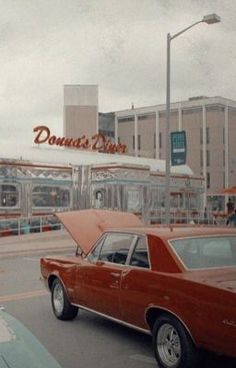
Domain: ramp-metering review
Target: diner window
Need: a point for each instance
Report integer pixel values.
(176, 200)
(133, 142)
(9, 195)
(116, 247)
(139, 257)
(133, 200)
(50, 196)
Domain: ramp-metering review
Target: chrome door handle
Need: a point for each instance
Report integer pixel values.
(115, 274)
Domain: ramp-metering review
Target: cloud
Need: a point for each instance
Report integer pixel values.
(119, 45)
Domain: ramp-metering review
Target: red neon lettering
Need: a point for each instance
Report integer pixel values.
(100, 142)
(99, 139)
(41, 129)
(52, 140)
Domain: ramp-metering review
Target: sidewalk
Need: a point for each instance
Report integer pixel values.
(51, 241)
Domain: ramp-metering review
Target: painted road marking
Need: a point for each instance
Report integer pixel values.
(26, 295)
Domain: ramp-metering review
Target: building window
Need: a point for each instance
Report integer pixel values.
(133, 142)
(9, 195)
(146, 117)
(50, 196)
(154, 143)
(201, 158)
(208, 158)
(223, 136)
(208, 181)
(160, 140)
(139, 142)
(201, 136)
(207, 135)
(223, 158)
(126, 119)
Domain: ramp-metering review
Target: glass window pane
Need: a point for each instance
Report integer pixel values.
(116, 247)
(9, 195)
(50, 196)
(206, 252)
(140, 255)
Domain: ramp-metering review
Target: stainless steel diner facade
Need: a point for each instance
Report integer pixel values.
(45, 179)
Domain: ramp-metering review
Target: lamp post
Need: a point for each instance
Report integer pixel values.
(209, 19)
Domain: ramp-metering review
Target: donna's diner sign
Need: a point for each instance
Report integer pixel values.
(98, 142)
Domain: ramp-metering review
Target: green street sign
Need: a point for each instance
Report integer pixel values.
(178, 148)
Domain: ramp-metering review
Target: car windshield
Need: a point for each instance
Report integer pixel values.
(206, 252)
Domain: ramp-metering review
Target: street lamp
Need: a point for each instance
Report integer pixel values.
(209, 19)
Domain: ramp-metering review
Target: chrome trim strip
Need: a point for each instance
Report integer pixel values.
(148, 332)
(170, 312)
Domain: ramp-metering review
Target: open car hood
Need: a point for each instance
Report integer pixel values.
(86, 226)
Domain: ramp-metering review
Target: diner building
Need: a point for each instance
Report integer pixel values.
(41, 179)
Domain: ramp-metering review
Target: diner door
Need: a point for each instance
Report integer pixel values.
(102, 274)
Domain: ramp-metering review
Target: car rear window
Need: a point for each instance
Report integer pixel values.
(206, 252)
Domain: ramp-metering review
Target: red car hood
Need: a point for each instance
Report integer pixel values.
(86, 226)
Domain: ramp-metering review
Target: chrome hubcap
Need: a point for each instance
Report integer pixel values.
(58, 299)
(168, 345)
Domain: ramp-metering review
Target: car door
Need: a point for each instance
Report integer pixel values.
(100, 289)
(135, 284)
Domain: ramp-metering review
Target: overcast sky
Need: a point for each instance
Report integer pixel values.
(119, 45)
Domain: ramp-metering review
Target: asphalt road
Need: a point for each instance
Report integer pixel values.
(89, 340)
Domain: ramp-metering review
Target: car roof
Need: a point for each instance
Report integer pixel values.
(174, 232)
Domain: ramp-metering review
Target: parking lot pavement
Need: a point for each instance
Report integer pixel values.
(53, 241)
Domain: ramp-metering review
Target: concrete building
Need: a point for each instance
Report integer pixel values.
(80, 110)
(210, 125)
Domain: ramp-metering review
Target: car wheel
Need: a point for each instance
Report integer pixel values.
(173, 347)
(60, 304)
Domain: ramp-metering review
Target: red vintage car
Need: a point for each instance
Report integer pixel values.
(178, 284)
